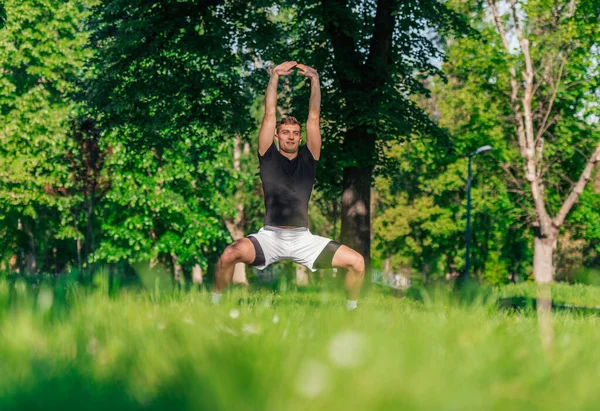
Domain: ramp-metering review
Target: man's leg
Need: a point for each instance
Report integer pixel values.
(240, 251)
(354, 263)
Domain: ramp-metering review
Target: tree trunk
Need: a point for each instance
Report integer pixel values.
(79, 246)
(235, 225)
(197, 274)
(543, 271)
(387, 267)
(356, 215)
(31, 260)
(55, 259)
(543, 264)
(27, 262)
(359, 83)
(89, 240)
(525, 96)
(301, 275)
(177, 270)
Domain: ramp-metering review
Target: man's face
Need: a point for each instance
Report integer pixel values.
(289, 138)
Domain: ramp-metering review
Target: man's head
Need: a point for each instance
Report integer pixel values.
(289, 134)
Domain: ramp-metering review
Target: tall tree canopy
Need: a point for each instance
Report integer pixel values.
(170, 87)
(41, 57)
(371, 56)
(538, 66)
(527, 86)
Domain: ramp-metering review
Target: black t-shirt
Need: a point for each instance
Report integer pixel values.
(287, 185)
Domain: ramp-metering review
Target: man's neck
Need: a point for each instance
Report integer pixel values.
(289, 156)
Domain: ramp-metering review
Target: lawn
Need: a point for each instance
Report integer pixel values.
(88, 348)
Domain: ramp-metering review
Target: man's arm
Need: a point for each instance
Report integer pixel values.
(265, 136)
(313, 131)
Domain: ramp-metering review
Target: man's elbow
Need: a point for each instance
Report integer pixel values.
(270, 115)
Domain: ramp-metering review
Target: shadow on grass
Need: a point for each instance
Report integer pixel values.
(76, 389)
(72, 390)
(447, 294)
(475, 295)
(529, 304)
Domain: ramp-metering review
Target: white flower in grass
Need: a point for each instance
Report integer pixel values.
(188, 320)
(227, 330)
(235, 313)
(160, 326)
(275, 319)
(346, 349)
(312, 379)
(92, 346)
(250, 329)
(45, 299)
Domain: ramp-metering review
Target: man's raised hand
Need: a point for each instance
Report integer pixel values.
(284, 68)
(309, 72)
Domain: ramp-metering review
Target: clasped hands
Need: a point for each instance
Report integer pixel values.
(285, 69)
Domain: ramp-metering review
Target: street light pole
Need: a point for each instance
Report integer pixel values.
(468, 230)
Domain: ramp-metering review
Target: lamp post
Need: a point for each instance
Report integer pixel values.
(468, 230)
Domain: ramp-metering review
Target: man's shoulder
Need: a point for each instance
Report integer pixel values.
(307, 154)
(267, 154)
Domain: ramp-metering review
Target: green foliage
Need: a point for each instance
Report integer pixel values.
(161, 205)
(353, 96)
(170, 71)
(41, 58)
(119, 118)
(170, 86)
(420, 214)
(422, 202)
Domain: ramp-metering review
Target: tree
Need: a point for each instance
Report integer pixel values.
(420, 206)
(170, 90)
(42, 56)
(370, 56)
(540, 68)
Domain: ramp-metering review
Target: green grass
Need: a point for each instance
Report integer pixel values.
(295, 350)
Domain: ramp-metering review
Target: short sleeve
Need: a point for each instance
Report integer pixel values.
(306, 153)
(268, 154)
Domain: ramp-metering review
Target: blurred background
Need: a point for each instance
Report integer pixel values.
(128, 133)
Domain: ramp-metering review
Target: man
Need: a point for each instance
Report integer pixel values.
(288, 175)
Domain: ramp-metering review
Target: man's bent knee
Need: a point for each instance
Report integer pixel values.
(240, 251)
(349, 259)
(358, 264)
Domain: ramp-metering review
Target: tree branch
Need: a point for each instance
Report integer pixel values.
(510, 174)
(534, 152)
(577, 189)
(514, 85)
(542, 128)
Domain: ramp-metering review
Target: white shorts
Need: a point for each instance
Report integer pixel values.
(274, 244)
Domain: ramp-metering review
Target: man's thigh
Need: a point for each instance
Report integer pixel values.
(313, 251)
(245, 249)
(345, 257)
(269, 248)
